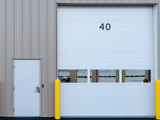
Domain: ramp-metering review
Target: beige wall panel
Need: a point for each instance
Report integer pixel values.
(27, 29)
(35, 28)
(43, 54)
(18, 28)
(10, 55)
(3, 37)
(52, 58)
(44, 95)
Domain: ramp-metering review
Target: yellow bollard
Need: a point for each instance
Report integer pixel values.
(115, 79)
(97, 80)
(124, 80)
(57, 99)
(157, 99)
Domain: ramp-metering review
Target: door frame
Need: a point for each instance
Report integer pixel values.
(156, 26)
(154, 4)
(40, 111)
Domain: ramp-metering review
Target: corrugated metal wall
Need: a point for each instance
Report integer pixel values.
(28, 31)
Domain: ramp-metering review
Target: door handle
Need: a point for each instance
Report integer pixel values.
(38, 88)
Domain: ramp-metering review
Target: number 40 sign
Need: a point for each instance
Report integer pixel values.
(103, 26)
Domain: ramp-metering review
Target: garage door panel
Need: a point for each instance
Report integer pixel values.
(110, 113)
(119, 10)
(104, 63)
(107, 103)
(128, 44)
(107, 49)
(97, 99)
(117, 91)
(91, 34)
(142, 37)
(128, 111)
(111, 107)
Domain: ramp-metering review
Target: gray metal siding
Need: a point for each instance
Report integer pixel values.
(10, 54)
(28, 31)
(3, 53)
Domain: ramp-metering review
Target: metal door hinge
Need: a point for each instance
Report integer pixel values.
(13, 109)
(13, 88)
(13, 66)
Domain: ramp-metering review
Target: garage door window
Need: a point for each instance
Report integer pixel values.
(104, 76)
(72, 76)
(136, 76)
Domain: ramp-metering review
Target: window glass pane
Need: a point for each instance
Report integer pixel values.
(103, 76)
(74, 76)
(81, 76)
(138, 76)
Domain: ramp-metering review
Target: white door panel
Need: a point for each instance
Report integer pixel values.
(26, 79)
(109, 99)
(129, 44)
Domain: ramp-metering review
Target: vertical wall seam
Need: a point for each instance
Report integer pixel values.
(0, 53)
(56, 49)
(47, 63)
(40, 54)
(22, 29)
(12, 63)
(158, 41)
(48, 56)
(40, 57)
(30, 14)
(48, 59)
(5, 56)
(6, 52)
(47, 104)
(39, 27)
(14, 27)
(56, 41)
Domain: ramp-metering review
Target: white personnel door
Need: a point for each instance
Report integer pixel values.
(27, 88)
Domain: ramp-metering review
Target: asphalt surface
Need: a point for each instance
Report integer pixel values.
(42, 118)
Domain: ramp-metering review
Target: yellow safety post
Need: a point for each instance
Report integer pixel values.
(75, 79)
(157, 99)
(124, 80)
(57, 99)
(97, 80)
(91, 79)
(115, 79)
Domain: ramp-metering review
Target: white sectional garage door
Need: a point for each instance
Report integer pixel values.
(112, 37)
